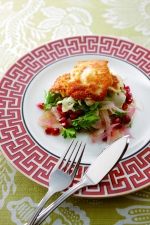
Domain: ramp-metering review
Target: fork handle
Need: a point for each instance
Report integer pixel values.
(84, 182)
(40, 206)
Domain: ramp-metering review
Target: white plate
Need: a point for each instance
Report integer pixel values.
(45, 79)
(37, 71)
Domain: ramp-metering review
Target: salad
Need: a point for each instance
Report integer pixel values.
(90, 99)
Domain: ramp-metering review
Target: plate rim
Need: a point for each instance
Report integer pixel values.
(53, 41)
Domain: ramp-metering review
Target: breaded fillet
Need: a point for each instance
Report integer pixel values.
(61, 85)
(88, 80)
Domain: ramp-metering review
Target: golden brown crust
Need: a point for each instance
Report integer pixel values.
(115, 82)
(61, 85)
(88, 80)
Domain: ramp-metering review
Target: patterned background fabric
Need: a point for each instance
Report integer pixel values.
(26, 24)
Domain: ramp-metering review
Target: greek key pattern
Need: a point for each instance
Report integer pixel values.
(115, 47)
(127, 174)
(82, 45)
(31, 159)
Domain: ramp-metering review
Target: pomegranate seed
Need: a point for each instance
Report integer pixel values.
(40, 105)
(105, 138)
(65, 124)
(118, 126)
(79, 112)
(62, 119)
(59, 108)
(55, 131)
(126, 119)
(117, 120)
(49, 130)
(128, 95)
(129, 100)
(70, 111)
(125, 106)
(73, 116)
(64, 114)
(127, 88)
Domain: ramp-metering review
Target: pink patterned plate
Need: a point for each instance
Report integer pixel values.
(33, 153)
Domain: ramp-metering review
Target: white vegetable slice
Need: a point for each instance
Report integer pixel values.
(67, 103)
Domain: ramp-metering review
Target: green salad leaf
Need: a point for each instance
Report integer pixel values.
(51, 99)
(118, 114)
(84, 122)
(95, 106)
(69, 132)
(87, 108)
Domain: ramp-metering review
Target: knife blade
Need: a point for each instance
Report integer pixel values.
(101, 166)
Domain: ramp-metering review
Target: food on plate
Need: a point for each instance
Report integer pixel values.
(87, 80)
(88, 99)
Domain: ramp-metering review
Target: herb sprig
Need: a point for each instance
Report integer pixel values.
(51, 99)
(82, 122)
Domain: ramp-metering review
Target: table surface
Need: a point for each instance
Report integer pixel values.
(24, 25)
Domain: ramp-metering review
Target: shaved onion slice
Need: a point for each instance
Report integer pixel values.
(107, 122)
(55, 112)
(131, 110)
(110, 105)
(48, 119)
(99, 135)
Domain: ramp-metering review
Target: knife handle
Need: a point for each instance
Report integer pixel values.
(85, 181)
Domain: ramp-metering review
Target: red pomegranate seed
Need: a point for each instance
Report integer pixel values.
(129, 95)
(70, 111)
(79, 112)
(125, 106)
(40, 105)
(64, 114)
(55, 131)
(126, 119)
(73, 116)
(65, 124)
(127, 88)
(118, 126)
(49, 130)
(105, 138)
(129, 100)
(62, 119)
(59, 108)
(116, 120)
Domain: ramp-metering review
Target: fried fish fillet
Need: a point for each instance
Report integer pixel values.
(61, 85)
(88, 80)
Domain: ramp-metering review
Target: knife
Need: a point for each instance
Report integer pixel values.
(106, 160)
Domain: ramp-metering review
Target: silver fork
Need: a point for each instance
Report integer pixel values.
(61, 178)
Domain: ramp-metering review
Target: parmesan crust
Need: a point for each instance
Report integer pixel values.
(88, 80)
(61, 85)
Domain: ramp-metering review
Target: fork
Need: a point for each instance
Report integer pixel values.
(61, 175)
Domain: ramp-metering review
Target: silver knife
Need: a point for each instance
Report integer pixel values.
(95, 173)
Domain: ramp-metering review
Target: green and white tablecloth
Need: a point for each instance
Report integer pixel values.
(26, 24)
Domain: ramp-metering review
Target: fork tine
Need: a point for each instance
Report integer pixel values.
(69, 156)
(63, 156)
(72, 161)
(77, 163)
